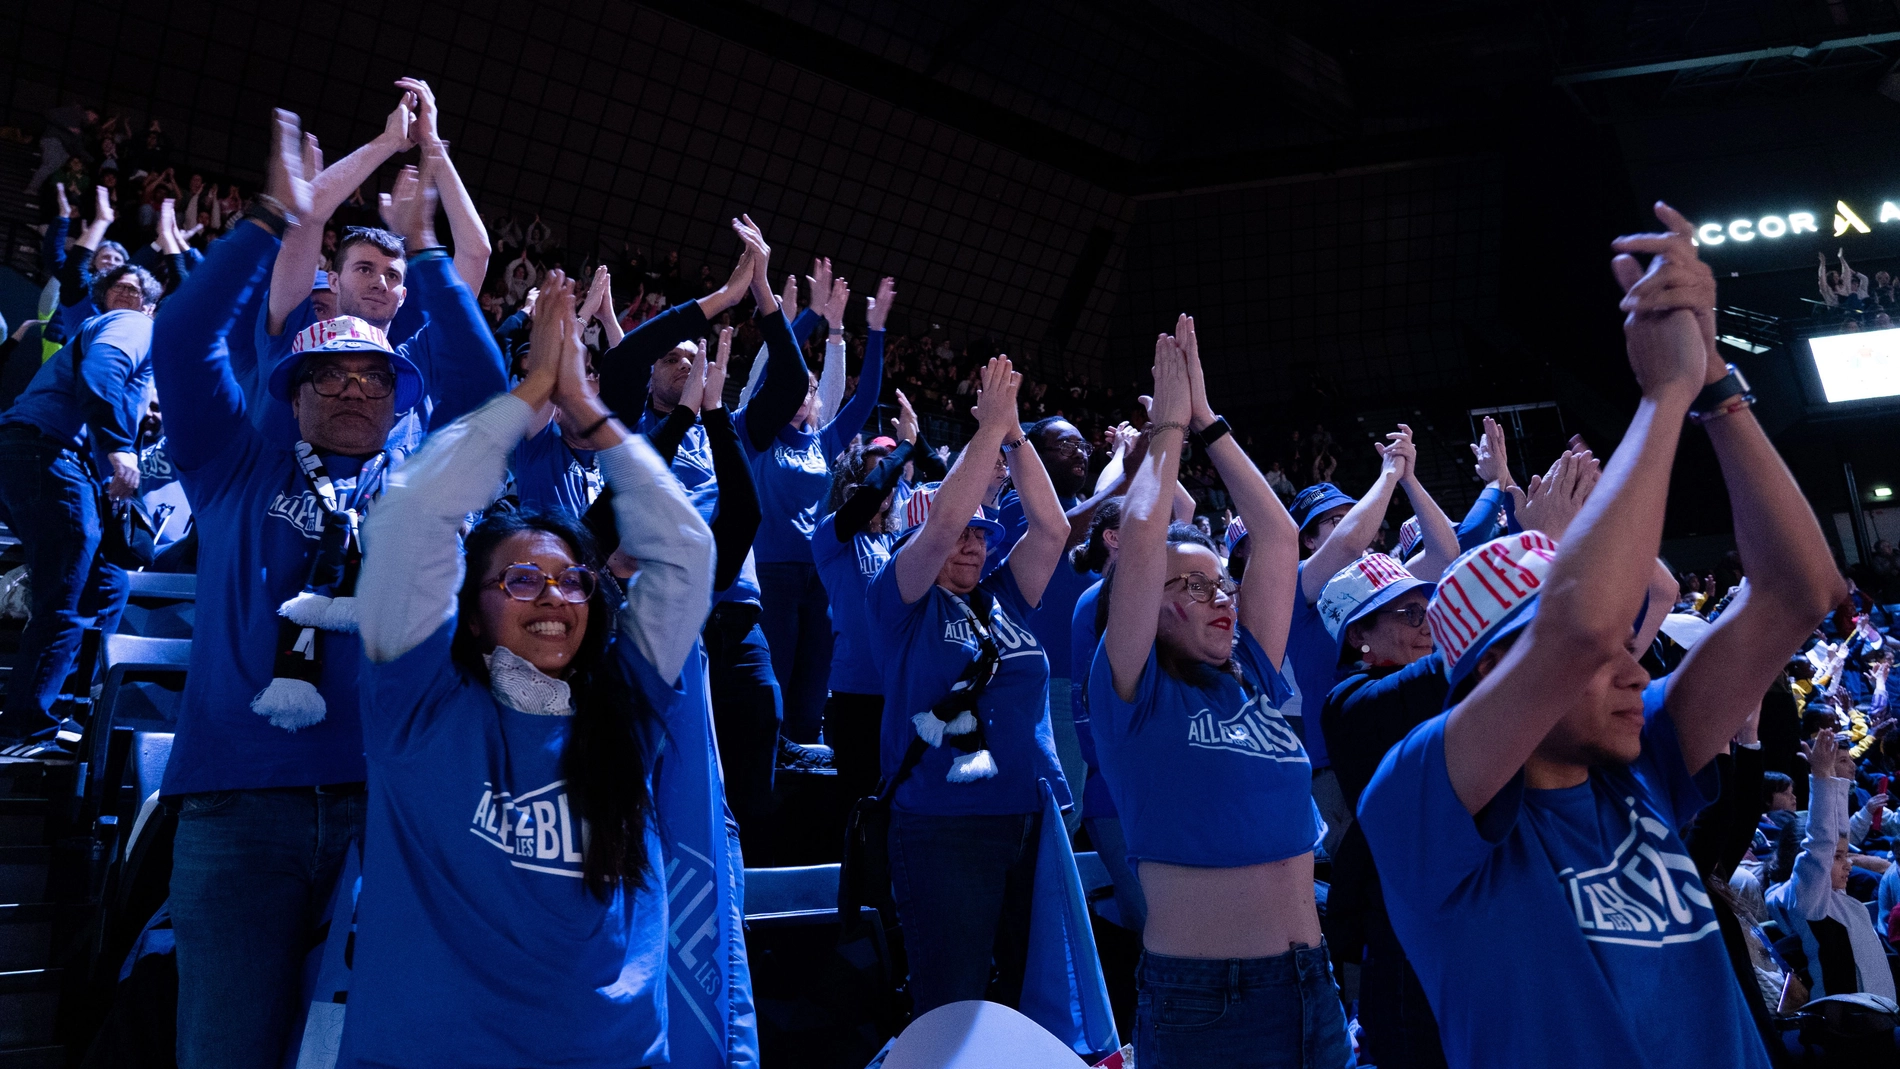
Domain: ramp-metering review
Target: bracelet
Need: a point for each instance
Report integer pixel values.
(1010, 447)
(275, 223)
(1727, 408)
(596, 426)
(1166, 424)
(1215, 432)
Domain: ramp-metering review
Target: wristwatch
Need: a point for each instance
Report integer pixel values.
(1719, 398)
(1215, 432)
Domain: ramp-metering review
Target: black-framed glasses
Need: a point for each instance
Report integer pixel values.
(332, 381)
(1202, 589)
(1413, 615)
(524, 581)
(1067, 446)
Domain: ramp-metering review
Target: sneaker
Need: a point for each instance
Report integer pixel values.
(40, 751)
(799, 757)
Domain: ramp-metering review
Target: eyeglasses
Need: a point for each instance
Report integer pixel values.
(1413, 615)
(525, 582)
(1071, 445)
(1202, 589)
(332, 381)
(127, 289)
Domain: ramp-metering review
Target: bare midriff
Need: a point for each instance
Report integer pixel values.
(1255, 911)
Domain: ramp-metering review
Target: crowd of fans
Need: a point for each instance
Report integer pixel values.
(1852, 300)
(592, 556)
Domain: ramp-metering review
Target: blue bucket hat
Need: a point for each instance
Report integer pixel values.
(345, 334)
(1316, 500)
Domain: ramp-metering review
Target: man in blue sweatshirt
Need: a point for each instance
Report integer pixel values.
(79, 417)
(267, 767)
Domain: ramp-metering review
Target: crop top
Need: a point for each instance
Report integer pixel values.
(1211, 775)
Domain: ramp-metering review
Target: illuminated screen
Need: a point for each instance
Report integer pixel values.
(1855, 367)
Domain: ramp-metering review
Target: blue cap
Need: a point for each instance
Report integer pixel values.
(1316, 500)
(322, 281)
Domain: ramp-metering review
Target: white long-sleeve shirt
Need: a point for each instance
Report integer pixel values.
(413, 562)
(1810, 896)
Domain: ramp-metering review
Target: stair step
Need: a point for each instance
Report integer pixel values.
(26, 935)
(29, 1001)
(39, 1057)
(23, 872)
(23, 821)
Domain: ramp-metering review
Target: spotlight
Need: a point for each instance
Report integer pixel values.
(1883, 492)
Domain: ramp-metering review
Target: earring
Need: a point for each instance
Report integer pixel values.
(1365, 649)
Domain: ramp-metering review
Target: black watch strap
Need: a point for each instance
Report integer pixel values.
(1719, 391)
(1215, 432)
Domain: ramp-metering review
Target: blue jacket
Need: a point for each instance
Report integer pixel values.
(99, 402)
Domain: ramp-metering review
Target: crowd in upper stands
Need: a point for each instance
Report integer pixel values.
(518, 586)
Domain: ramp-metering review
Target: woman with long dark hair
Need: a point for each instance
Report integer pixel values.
(1212, 784)
(513, 909)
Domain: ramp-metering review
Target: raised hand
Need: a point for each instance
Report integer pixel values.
(694, 391)
(1492, 466)
(1173, 400)
(412, 202)
(65, 206)
(1554, 498)
(541, 367)
(168, 241)
(291, 167)
(836, 303)
(995, 409)
(906, 422)
(395, 135)
(714, 394)
(1200, 413)
(102, 208)
(423, 129)
(877, 310)
(754, 238)
(1401, 455)
(1669, 308)
(818, 284)
(788, 296)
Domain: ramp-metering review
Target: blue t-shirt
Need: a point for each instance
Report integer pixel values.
(792, 478)
(927, 644)
(477, 944)
(1050, 622)
(846, 569)
(551, 475)
(1560, 927)
(1313, 657)
(1208, 775)
(1082, 643)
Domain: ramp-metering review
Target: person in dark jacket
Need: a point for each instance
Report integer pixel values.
(77, 419)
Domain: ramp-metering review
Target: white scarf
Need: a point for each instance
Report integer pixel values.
(523, 687)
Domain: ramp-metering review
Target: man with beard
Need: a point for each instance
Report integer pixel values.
(1065, 455)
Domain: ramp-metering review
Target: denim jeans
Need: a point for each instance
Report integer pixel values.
(1281, 1012)
(796, 618)
(745, 706)
(963, 887)
(49, 500)
(251, 874)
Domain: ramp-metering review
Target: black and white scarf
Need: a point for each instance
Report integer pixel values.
(327, 601)
(953, 719)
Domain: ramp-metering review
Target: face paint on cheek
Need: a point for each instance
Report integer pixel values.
(1179, 613)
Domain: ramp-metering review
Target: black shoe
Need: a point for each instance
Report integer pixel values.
(38, 750)
(798, 757)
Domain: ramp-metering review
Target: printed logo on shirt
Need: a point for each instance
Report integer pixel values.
(1011, 640)
(693, 932)
(1647, 896)
(536, 830)
(1257, 730)
(872, 551)
(809, 458)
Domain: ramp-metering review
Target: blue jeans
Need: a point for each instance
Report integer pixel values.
(251, 874)
(796, 618)
(49, 500)
(1281, 1012)
(963, 887)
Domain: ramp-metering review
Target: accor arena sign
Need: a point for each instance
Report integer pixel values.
(1843, 221)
